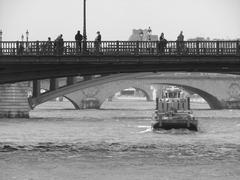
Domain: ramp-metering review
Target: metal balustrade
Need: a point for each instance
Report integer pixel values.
(120, 48)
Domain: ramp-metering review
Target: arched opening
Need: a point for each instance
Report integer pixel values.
(30, 91)
(197, 100)
(128, 98)
(205, 100)
(212, 101)
(56, 104)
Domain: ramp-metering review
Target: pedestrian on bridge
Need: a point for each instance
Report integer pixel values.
(162, 44)
(180, 43)
(59, 45)
(78, 39)
(49, 47)
(20, 49)
(97, 42)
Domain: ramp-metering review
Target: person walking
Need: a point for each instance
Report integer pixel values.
(78, 39)
(97, 42)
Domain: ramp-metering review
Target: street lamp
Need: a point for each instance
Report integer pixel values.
(149, 33)
(84, 27)
(84, 21)
(27, 33)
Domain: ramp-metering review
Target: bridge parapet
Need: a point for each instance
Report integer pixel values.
(120, 48)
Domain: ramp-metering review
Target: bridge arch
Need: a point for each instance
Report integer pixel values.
(73, 103)
(79, 87)
(212, 101)
(103, 92)
(148, 96)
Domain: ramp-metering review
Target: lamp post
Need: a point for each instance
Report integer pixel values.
(84, 27)
(27, 34)
(149, 33)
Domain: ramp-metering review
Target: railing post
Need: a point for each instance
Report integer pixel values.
(84, 50)
(117, 46)
(217, 46)
(37, 48)
(0, 47)
(238, 48)
(17, 48)
(197, 46)
(137, 48)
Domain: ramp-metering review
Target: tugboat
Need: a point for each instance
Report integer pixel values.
(173, 111)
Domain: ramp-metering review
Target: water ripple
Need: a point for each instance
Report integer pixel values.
(214, 152)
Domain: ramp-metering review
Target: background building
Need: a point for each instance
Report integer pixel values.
(142, 35)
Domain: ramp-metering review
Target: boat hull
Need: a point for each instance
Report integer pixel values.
(176, 121)
(193, 126)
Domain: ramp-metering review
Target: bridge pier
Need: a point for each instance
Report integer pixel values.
(13, 100)
(90, 103)
(36, 88)
(235, 104)
(53, 84)
(71, 80)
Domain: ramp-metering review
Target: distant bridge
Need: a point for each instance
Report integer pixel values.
(32, 60)
(219, 91)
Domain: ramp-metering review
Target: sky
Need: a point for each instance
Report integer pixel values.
(116, 19)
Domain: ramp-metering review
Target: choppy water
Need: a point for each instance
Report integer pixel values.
(109, 140)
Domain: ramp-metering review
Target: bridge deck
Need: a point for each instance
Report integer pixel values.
(21, 61)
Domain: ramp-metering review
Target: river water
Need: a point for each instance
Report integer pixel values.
(60, 143)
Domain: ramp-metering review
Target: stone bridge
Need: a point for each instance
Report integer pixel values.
(34, 60)
(220, 91)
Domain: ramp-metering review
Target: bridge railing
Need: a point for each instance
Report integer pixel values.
(121, 48)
